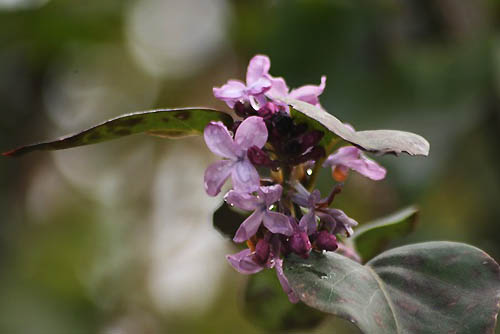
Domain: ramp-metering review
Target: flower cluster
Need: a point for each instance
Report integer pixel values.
(270, 160)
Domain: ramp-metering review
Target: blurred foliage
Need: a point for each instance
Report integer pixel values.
(77, 229)
(269, 308)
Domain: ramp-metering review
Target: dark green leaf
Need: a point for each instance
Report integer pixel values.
(268, 306)
(372, 238)
(227, 220)
(427, 288)
(377, 141)
(171, 123)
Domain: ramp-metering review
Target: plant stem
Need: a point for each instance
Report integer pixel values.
(319, 163)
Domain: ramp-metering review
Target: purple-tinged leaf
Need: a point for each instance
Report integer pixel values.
(432, 287)
(169, 123)
(372, 238)
(376, 141)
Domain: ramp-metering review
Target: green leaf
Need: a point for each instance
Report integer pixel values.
(372, 238)
(170, 123)
(312, 124)
(433, 287)
(268, 307)
(227, 220)
(377, 141)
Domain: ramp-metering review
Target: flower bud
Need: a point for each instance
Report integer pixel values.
(261, 251)
(283, 123)
(299, 244)
(243, 110)
(259, 158)
(326, 241)
(314, 154)
(267, 110)
(310, 138)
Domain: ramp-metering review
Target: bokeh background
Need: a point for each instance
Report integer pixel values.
(117, 238)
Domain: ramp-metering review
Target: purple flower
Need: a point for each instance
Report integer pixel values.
(351, 157)
(251, 132)
(299, 242)
(244, 262)
(257, 83)
(247, 263)
(336, 220)
(307, 93)
(278, 265)
(309, 201)
(326, 241)
(273, 221)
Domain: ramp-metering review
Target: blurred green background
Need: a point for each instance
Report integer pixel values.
(117, 238)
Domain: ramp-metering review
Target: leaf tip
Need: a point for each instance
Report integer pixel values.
(10, 153)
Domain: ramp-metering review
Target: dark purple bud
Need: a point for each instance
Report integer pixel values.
(314, 154)
(283, 123)
(268, 110)
(243, 110)
(284, 247)
(299, 129)
(299, 244)
(326, 241)
(259, 158)
(293, 147)
(261, 251)
(311, 138)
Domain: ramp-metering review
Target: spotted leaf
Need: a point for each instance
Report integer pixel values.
(169, 123)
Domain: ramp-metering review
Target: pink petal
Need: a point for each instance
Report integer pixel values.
(245, 177)
(249, 227)
(343, 155)
(309, 93)
(368, 168)
(278, 88)
(308, 223)
(258, 67)
(260, 86)
(219, 140)
(251, 132)
(314, 198)
(330, 221)
(257, 101)
(232, 92)
(216, 174)
(343, 219)
(353, 158)
(243, 201)
(284, 281)
(277, 223)
(243, 262)
(270, 194)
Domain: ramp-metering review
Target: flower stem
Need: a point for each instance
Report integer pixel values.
(319, 163)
